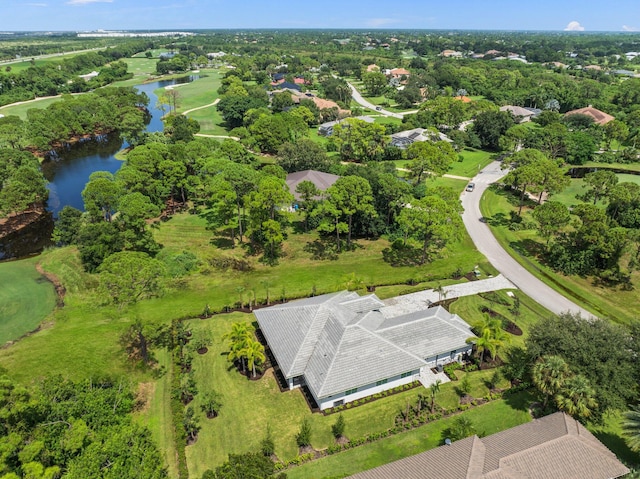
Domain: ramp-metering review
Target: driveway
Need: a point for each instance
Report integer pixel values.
(488, 245)
(355, 94)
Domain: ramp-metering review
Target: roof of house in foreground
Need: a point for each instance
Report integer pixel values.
(599, 116)
(320, 179)
(553, 447)
(341, 341)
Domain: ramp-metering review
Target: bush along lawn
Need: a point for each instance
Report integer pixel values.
(415, 416)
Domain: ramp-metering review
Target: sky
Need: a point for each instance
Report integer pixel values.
(65, 15)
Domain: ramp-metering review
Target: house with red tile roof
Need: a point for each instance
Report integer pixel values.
(599, 117)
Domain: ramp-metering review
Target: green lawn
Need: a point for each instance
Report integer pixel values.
(26, 298)
(614, 303)
(22, 108)
(469, 308)
(488, 419)
(472, 163)
(248, 406)
(577, 187)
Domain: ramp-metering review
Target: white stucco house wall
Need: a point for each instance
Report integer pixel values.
(344, 347)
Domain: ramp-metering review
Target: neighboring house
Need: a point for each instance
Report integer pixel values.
(463, 99)
(326, 129)
(318, 178)
(285, 85)
(216, 54)
(522, 115)
(555, 446)
(399, 73)
(403, 139)
(599, 117)
(593, 67)
(343, 346)
(451, 54)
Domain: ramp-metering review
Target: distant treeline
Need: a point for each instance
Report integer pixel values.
(62, 77)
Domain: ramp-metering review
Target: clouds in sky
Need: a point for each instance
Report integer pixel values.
(574, 27)
(627, 28)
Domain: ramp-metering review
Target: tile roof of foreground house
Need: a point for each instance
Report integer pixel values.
(341, 341)
(553, 447)
(599, 117)
(318, 178)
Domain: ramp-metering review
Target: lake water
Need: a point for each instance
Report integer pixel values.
(69, 172)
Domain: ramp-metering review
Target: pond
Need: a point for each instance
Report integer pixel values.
(68, 173)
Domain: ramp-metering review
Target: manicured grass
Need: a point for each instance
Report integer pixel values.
(488, 419)
(248, 406)
(613, 303)
(469, 308)
(611, 435)
(620, 166)
(472, 163)
(156, 412)
(26, 299)
(454, 183)
(22, 108)
(577, 187)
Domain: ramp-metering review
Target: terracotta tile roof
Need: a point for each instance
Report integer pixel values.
(463, 99)
(599, 117)
(553, 447)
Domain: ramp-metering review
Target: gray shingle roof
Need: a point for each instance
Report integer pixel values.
(341, 341)
(318, 178)
(553, 447)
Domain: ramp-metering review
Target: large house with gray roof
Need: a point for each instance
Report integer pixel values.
(555, 446)
(344, 347)
(403, 139)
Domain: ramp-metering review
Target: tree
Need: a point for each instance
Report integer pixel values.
(308, 193)
(253, 351)
(128, 276)
(429, 159)
(549, 375)
(491, 337)
(267, 445)
(615, 131)
(337, 428)
(303, 438)
(434, 389)
(631, 428)
(551, 216)
(432, 221)
(211, 404)
(460, 428)
(576, 397)
(303, 154)
(101, 195)
(358, 140)
(374, 82)
(599, 184)
(135, 209)
(489, 126)
(523, 177)
(67, 226)
(97, 241)
(238, 338)
(351, 195)
(601, 351)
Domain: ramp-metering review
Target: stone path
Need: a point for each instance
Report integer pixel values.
(412, 302)
(428, 377)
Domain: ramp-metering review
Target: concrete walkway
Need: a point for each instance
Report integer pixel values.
(489, 246)
(412, 302)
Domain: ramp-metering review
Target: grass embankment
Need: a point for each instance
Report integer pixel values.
(26, 299)
(249, 406)
(614, 303)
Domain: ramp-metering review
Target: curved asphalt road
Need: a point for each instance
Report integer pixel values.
(499, 258)
(355, 94)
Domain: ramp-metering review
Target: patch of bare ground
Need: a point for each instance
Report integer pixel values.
(53, 279)
(143, 396)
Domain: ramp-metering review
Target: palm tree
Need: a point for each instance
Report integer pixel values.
(254, 353)
(631, 428)
(238, 337)
(434, 388)
(576, 397)
(549, 375)
(490, 339)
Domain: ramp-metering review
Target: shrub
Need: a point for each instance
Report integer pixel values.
(267, 446)
(337, 429)
(303, 438)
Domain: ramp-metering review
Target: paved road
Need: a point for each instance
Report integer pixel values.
(499, 258)
(355, 94)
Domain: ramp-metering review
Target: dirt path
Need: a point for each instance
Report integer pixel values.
(217, 136)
